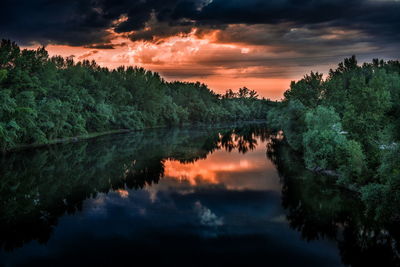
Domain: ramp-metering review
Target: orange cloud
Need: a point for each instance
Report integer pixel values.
(197, 56)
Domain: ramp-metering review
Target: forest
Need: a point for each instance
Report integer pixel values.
(348, 126)
(45, 98)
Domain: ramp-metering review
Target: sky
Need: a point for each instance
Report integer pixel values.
(226, 44)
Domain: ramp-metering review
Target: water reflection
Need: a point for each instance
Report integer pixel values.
(231, 169)
(39, 186)
(319, 209)
(180, 197)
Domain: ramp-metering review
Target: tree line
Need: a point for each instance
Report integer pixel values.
(348, 125)
(44, 98)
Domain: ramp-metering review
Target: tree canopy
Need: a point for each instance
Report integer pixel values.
(43, 98)
(348, 123)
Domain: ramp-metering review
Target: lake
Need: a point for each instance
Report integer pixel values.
(197, 196)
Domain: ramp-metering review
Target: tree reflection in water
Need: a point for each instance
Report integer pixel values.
(319, 209)
(39, 186)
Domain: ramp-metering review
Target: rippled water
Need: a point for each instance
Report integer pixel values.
(179, 197)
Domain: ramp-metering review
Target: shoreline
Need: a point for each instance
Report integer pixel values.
(74, 139)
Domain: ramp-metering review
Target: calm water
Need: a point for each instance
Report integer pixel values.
(180, 197)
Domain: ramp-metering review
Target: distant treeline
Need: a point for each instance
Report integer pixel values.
(44, 98)
(348, 125)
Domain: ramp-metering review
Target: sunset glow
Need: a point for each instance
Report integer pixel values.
(225, 44)
(221, 168)
(200, 133)
(202, 171)
(188, 58)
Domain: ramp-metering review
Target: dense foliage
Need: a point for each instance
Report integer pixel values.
(44, 98)
(348, 126)
(319, 209)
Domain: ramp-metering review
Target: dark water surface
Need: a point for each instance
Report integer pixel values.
(178, 197)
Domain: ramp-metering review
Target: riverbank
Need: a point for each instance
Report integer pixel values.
(119, 131)
(66, 140)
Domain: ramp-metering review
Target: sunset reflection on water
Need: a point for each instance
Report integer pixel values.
(234, 170)
(167, 196)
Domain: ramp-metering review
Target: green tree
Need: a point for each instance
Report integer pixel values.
(326, 146)
(308, 90)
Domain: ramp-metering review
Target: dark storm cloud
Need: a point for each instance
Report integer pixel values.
(65, 22)
(85, 22)
(374, 18)
(377, 21)
(82, 22)
(75, 22)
